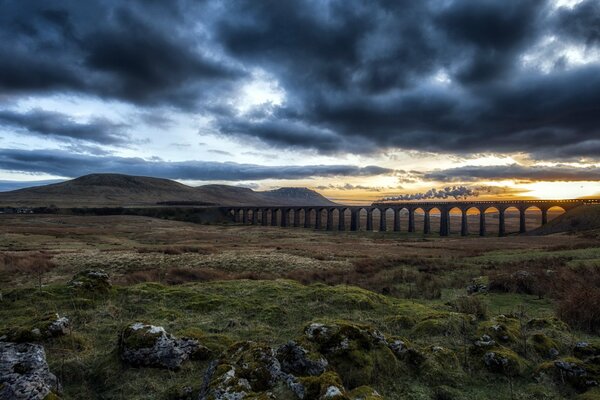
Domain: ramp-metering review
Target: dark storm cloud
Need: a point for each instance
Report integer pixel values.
(140, 52)
(52, 124)
(516, 172)
(358, 77)
(378, 86)
(582, 23)
(66, 164)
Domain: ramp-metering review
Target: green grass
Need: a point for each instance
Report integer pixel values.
(220, 313)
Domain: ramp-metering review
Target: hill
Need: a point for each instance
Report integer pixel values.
(582, 218)
(97, 190)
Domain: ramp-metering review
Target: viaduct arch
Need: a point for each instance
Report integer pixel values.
(332, 218)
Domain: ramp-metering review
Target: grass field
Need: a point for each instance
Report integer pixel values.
(223, 284)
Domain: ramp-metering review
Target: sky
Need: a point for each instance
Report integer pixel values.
(428, 99)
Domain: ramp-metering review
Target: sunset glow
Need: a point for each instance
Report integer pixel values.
(496, 100)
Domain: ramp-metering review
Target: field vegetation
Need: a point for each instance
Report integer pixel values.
(446, 299)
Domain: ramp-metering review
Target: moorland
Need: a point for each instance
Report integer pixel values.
(387, 315)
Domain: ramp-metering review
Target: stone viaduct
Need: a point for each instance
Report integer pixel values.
(312, 216)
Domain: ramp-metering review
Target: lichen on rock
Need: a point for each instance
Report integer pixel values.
(92, 281)
(47, 326)
(151, 346)
(24, 373)
(297, 360)
(503, 361)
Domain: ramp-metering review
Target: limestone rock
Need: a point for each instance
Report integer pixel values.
(503, 361)
(90, 281)
(50, 325)
(151, 346)
(24, 373)
(247, 370)
(297, 360)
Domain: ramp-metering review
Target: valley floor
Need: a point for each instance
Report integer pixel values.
(224, 284)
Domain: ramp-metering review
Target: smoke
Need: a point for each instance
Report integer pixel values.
(455, 192)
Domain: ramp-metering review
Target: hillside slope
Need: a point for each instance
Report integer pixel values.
(582, 218)
(98, 190)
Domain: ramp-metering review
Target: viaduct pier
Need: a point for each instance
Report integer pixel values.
(335, 217)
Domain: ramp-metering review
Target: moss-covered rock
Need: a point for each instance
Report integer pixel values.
(90, 281)
(442, 324)
(552, 323)
(249, 370)
(503, 329)
(325, 386)
(364, 393)
(440, 365)
(47, 326)
(544, 346)
(151, 346)
(578, 374)
(298, 360)
(359, 353)
(504, 361)
(586, 349)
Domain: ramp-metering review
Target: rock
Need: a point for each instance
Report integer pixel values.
(327, 386)
(24, 373)
(547, 323)
(297, 360)
(95, 281)
(151, 346)
(399, 348)
(503, 361)
(586, 349)
(358, 353)
(485, 341)
(503, 329)
(544, 346)
(247, 370)
(50, 325)
(364, 393)
(477, 288)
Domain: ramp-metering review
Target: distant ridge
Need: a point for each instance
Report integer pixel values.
(97, 190)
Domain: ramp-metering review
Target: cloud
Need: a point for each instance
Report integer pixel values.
(42, 123)
(357, 77)
(129, 52)
(349, 186)
(61, 163)
(514, 172)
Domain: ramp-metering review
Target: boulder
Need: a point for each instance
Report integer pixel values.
(297, 360)
(50, 325)
(151, 346)
(24, 373)
(503, 361)
(578, 374)
(94, 281)
(248, 370)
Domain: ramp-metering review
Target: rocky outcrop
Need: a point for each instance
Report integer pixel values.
(48, 326)
(24, 373)
(250, 370)
(297, 360)
(93, 281)
(151, 346)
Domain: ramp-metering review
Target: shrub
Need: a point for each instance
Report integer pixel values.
(470, 305)
(428, 286)
(580, 307)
